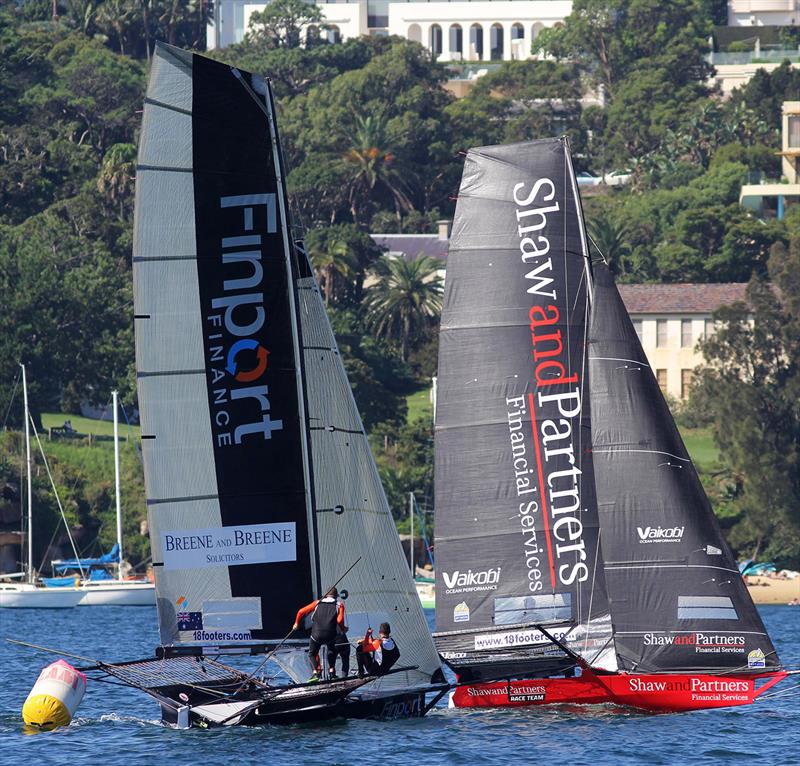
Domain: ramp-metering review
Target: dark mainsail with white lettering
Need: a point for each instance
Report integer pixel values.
(578, 558)
(516, 516)
(219, 360)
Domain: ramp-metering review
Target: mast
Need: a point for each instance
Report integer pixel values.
(411, 522)
(30, 472)
(301, 392)
(116, 485)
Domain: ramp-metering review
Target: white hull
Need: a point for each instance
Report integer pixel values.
(118, 594)
(27, 596)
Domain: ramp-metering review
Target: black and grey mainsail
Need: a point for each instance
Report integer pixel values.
(517, 538)
(261, 488)
(678, 601)
(565, 498)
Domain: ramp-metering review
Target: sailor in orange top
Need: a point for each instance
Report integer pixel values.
(375, 657)
(326, 614)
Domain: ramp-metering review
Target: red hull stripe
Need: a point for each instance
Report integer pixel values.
(662, 693)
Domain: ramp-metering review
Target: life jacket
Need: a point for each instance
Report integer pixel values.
(389, 655)
(323, 620)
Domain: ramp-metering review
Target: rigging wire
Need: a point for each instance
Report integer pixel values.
(55, 492)
(11, 400)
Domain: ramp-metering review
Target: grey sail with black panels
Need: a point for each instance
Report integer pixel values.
(353, 517)
(218, 361)
(517, 535)
(678, 601)
(261, 487)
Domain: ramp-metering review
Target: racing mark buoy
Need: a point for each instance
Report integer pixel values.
(55, 697)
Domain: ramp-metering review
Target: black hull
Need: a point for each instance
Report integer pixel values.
(325, 707)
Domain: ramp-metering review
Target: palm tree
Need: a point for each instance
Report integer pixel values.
(371, 162)
(331, 258)
(117, 175)
(405, 300)
(611, 239)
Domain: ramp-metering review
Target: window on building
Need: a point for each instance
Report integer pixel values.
(794, 131)
(637, 325)
(436, 40)
(686, 333)
(661, 333)
(333, 35)
(661, 377)
(496, 43)
(377, 13)
(456, 41)
(710, 327)
(476, 42)
(238, 22)
(686, 383)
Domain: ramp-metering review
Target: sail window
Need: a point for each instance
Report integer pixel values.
(661, 333)
(555, 607)
(686, 333)
(706, 608)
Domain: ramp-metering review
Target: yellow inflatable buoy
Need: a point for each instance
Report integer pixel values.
(55, 697)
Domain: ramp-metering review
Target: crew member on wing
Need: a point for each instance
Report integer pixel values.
(326, 614)
(376, 657)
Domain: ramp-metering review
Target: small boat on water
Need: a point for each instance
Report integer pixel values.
(261, 488)
(578, 559)
(92, 581)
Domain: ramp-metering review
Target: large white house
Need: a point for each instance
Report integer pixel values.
(486, 30)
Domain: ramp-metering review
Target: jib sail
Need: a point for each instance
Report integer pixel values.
(678, 602)
(517, 540)
(218, 360)
(353, 519)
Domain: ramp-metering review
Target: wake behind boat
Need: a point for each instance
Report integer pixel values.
(261, 487)
(579, 560)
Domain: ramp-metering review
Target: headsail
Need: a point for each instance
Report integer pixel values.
(517, 540)
(353, 517)
(678, 602)
(217, 359)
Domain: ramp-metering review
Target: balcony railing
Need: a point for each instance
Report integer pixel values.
(754, 57)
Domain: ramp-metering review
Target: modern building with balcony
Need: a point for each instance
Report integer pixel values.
(763, 13)
(486, 30)
(771, 197)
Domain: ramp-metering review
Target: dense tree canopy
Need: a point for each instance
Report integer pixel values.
(373, 142)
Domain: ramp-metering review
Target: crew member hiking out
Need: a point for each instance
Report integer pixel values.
(326, 614)
(376, 657)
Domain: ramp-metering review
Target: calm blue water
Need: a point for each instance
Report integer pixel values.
(120, 727)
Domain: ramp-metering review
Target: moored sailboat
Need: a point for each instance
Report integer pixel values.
(261, 488)
(578, 558)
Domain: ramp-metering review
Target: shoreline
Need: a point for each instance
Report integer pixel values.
(771, 590)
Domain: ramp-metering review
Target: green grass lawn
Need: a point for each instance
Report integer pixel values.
(701, 447)
(85, 426)
(419, 405)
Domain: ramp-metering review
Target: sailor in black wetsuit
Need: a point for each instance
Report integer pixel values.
(326, 616)
(375, 657)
